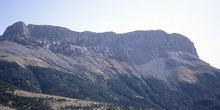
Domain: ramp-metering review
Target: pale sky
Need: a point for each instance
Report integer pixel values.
(199, 20)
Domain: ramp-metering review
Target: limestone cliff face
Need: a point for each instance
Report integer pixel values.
(144, 45)
(137, 40)
(139, 53)
(150, 69)
(18, 32)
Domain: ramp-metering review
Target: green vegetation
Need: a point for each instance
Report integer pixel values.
(13, 74)
(124, 91)
(7, 98)
(71, 85)
(66, 84)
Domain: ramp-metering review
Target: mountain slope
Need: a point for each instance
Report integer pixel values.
(12, 98)
(141, 68)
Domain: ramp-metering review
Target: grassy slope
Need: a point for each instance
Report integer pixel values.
(13, 98)
(123, 90)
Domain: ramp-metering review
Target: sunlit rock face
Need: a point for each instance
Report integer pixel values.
(139, 53)
(144, 63)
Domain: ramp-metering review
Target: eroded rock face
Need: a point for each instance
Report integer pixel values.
(106, 53)
(140, 46)
(150, 68)
(18, 32)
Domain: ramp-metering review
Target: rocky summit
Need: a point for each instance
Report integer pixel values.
(140, 69)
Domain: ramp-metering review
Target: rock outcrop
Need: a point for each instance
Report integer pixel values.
(139, 53)
(147, 64)
(18, 32)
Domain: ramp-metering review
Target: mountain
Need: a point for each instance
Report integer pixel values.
(143, 69)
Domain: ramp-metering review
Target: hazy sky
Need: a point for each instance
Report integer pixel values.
(199, 20)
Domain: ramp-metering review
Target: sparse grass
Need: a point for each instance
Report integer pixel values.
(57, 102)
